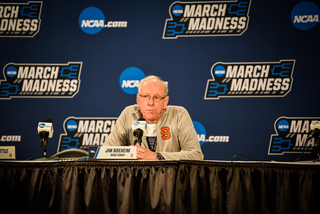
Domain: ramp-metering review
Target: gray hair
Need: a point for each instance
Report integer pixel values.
(165, 84)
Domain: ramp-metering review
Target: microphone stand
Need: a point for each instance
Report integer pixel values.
(137, 140)
(44, 141)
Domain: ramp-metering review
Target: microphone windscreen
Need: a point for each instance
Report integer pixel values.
(47, 119)
(138, 133)
(140, 125)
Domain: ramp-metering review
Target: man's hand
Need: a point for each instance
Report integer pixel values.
(145, 154)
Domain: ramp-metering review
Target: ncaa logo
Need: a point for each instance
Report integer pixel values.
(91, 20)
(11, 71)
(130, 78)
(177, 10)
(283, 125)
(219, 71)
(201, 131)
(305, 15)
(72, 125)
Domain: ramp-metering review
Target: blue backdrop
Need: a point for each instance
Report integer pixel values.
(105, 38)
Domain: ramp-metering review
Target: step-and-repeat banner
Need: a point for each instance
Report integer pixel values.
(247, 71)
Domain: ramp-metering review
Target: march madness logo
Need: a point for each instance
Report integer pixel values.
(291, 137)
(215, 18)
(264, 79)
(84, 132)
(20, 19)
(40, 80)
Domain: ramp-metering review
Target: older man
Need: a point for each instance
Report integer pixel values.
(170, 131)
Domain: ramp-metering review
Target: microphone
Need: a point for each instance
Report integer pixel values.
(315, 128)
(315, 132)
(139, 129)
(45, 131)
(45, 128)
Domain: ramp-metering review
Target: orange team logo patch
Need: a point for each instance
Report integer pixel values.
(165, 132)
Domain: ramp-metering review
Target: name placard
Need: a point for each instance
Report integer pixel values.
(7, 152)
(113, 152)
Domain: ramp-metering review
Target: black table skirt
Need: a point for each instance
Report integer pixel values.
(159, 187)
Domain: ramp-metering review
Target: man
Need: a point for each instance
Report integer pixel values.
(170, 131)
